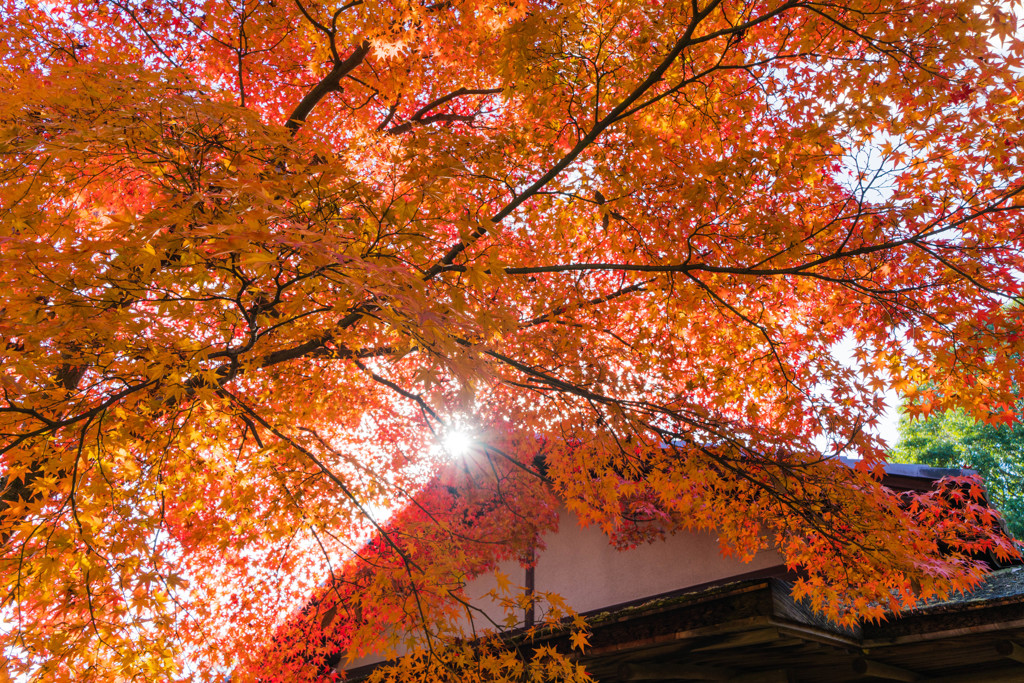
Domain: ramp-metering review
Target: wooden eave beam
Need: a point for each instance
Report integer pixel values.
(1009, 675)
(742, 639)
(1010, 650)
(673, 672)
(683, 672)
(869, 667)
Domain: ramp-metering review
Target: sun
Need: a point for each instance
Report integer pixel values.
(458, 442)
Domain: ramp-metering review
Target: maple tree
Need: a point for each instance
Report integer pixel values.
(258, 258)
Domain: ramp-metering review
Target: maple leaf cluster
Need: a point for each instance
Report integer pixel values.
(258, 258)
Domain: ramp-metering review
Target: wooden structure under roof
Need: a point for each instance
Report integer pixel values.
(747, 627)
(754, 632)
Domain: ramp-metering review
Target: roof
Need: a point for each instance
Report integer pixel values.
(913, 477)
(751, 625)
(753, 630)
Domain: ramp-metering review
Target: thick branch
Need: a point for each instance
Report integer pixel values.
(328, 84)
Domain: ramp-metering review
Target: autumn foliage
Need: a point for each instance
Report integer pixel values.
(258, 258)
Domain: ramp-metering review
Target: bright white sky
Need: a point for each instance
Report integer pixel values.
(889, 420)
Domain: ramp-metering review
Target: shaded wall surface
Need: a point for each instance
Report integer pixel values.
(582, 566)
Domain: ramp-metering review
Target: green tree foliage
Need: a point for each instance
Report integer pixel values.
(955, 439)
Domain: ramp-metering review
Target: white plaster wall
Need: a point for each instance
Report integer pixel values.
(584, 568)
(589, 573)
(486, 611)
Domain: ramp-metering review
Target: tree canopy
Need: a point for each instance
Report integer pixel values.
(258, 259)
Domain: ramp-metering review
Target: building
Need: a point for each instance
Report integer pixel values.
(677, 610)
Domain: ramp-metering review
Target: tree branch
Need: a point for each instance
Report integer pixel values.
(327, 84)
